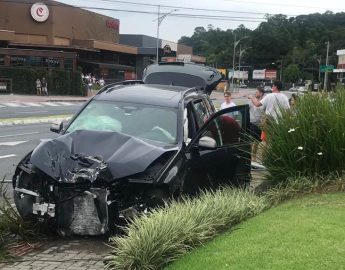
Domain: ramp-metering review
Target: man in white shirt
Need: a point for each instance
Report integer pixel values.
(273, 102)
(227, 103)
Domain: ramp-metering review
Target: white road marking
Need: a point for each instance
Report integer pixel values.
(49, 104)
(19, 134)
(33, 112)
(12, 143)
(8, 156)
(9, 104)
(32, 104)
(6, 181)
(44, 140)
(65, 103)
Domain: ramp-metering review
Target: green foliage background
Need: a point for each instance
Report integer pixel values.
(296, 40)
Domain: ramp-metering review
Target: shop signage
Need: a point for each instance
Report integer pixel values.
(166, 49)
(114, 24)
(39, 12)
(259, 74)
(270, 74)
(52, 61)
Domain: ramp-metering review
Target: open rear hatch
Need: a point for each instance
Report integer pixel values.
(183, 74)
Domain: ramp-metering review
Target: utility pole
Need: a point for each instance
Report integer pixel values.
(158, 24)
(326, 72)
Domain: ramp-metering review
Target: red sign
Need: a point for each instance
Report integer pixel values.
(114, 24)
(129, 75)
(270, 74)
(168, 59)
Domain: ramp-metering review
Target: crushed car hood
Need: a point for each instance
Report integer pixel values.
(122, 154)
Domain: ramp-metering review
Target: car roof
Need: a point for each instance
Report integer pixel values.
(158, 95)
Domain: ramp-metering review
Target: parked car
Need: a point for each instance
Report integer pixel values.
(128, 149)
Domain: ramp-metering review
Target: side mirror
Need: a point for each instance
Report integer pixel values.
(207, 142)
(56, 127)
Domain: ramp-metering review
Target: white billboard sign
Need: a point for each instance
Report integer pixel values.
(259, 74)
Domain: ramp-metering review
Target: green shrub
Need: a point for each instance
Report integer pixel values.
(296, 187)
(152, 241)
(309, 142)
(60, 82)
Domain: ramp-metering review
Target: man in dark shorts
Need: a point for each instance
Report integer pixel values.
(255, 122)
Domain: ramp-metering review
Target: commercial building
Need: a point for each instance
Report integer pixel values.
(168, 51)
(55, 35)
(49, 34)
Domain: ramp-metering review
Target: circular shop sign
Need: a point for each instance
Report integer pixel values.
(39, 12)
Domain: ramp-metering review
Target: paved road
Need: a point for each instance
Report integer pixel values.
(15, 143)
(37, 109)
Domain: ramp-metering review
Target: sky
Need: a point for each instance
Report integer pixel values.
(140, 17)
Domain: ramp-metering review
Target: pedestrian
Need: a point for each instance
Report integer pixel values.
(38, 87)
(89, 83)
(272, 105)
(255, 122)
(44, 86)
(227, 101)
(101, 81)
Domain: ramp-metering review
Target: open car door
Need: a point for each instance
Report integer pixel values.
(219, 153)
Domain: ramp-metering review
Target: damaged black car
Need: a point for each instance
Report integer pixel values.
(131, 147)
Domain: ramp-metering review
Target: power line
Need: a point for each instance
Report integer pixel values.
(187, 8)
(182, 15)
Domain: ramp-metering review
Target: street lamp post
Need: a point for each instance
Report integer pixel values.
(233, 58)
(239, 60)
(319, 61)
(159, 21)
(326, 74)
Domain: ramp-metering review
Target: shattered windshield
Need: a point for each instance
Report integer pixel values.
(138, 120)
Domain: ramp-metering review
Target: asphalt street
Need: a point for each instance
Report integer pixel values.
(15, 143)
(37, 109)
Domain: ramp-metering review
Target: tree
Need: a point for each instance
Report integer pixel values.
(292, 73)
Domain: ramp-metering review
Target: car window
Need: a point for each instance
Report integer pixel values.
(209, 106)
(224, 129)
(201, 113)
(142, 121)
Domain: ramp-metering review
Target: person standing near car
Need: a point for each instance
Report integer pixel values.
(227, 101)
(272, 104)
(255, 122)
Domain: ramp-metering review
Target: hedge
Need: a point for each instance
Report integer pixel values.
(60, 82)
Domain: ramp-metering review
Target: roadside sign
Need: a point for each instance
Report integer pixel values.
(326, 68)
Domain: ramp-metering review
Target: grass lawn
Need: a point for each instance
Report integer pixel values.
(305, 233)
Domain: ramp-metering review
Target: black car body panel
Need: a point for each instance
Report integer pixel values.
(107, 167)
(183, 74)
